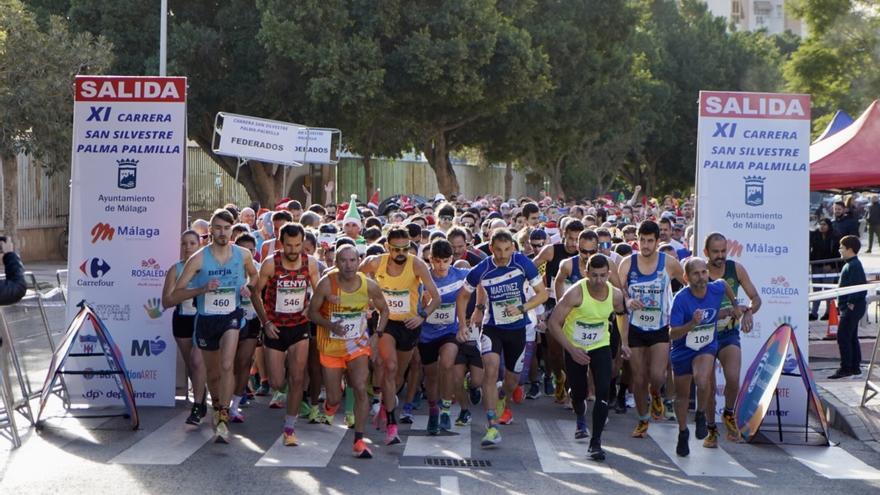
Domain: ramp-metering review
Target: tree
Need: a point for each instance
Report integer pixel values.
(36, 92)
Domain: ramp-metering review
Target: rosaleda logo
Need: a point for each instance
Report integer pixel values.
(148, 273)
(779, 287)
(754, 190)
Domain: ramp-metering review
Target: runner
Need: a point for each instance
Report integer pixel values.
(437, 345)
(286, 277)
(247, 341)
(219, 272)
(182, 325)
(580, 323)
(339, 306)
(729, 352)
(646, 277)
(399, 275)
(693, 321)
(503, 276)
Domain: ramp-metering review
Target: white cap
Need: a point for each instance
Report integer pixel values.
(439, 197)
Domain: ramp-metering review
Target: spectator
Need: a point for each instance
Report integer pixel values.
(852, 309)
(844, 222)
(14, 287)
(823, 246)
(872, 219)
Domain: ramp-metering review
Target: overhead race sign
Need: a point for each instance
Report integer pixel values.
(753, 186)
(126, 203)
(272, 141)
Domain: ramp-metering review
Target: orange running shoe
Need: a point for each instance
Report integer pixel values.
(506, 417)
(360, 450)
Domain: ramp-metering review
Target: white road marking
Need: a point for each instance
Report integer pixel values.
(701, 461)
(449, 485)
(832, 462)
(172, 443)
(559, 452)
(317, 444)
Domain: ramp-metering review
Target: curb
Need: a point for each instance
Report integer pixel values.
(843, 417)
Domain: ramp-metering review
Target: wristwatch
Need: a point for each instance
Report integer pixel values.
(423, 314)
(521, 308)
(481, 307)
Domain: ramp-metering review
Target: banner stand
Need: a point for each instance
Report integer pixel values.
(115, 365)
(872, 383)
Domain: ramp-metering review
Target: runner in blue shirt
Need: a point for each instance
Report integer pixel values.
(503, 276)
(693, 326)
(437, 345)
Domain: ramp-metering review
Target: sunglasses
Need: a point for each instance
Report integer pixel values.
(605, 245)
(467, 225)
(588, 252)
(445, 218)
(536, 245)
(401, 249)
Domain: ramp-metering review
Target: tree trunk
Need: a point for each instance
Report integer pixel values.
(508, 180)
(438, 158)
(368, 174)
(556, 178)
(10, 194)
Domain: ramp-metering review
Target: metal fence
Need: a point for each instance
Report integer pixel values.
(208, 185)
(43, 200)
(417, 177)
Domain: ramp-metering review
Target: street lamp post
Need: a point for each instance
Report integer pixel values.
(163, 38)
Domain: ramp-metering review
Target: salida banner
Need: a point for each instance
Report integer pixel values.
(129, 147)
(753, 182)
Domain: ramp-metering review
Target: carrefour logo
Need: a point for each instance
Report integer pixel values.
(95, 269)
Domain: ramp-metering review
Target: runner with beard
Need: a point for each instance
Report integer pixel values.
(220, 272)
(729, 352)
(399, 275)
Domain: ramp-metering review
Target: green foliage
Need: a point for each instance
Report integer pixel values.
(36, 82)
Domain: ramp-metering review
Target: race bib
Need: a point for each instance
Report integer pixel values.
(187, 308)
(586, 334)
(353, 323)
(444, 315)
(700, 337)
(290, 300)
(473, 333)
(398, 301)
(502, 315)
(220, 301)
(647, 318)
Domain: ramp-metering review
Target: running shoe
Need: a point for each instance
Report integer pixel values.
(418, 397)
(433, 424)
(289, 435)
(245, 401)
(669, 412)
(314, 415)
(236, 417)
(641, 430)
(324, 419)
(518, 395)
(374, 407)
(534, 391)
(305, 409)
(682, 448)
(620, 405)
(476, 395)
(445, 421)
(506, 417)
(464, 418)
(658, 411)
(500, 406)
(560, 395)
(711, 441)
(360, 450)
(549, 389)
(491, 439)
(701, 429)
(195, 416)
(380, 420)
(406, 417)
(595, 452)
(391, 437)
(733, 434)
(222, 427)
(262, 390)
(203, 410)
(279, 401)
(581, 431)
(349, 419)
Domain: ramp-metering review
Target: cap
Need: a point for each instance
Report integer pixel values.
(439, 197)
(538, 234)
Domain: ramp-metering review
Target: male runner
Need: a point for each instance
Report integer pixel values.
(287, 275)
(729, 353)
(503, 276)
(645, 276)
(693, 321)
(399, 275)
(437, 345)
(339, 308)
(580, 323)
(220, 272)
(247, 340)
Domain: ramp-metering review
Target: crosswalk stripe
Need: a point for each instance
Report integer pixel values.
(317, 444)
(701, 461)
(558, 451)
(832, 462)
(172, 443)
(449, 485)
(443, 445)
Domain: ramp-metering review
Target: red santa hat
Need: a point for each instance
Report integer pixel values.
(374, 200)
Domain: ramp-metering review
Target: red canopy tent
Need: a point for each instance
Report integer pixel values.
(849, 159)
